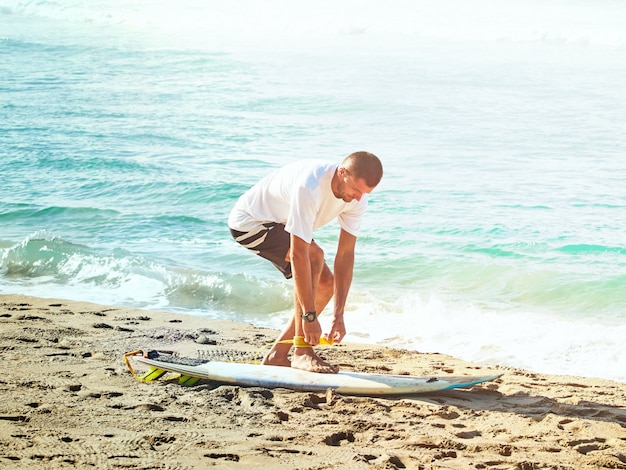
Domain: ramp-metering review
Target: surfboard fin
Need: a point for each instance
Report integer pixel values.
(153, 374)
(187, 381)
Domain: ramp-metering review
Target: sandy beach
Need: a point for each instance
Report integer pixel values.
(69, 401)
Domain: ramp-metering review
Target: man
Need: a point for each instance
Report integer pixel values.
(276, 219)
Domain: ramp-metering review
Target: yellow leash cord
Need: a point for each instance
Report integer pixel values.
(297, 341)
(127, 362)
(152, 374)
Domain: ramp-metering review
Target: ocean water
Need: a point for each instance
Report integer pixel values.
(128, 130)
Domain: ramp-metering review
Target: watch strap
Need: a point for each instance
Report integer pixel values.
(309, 316)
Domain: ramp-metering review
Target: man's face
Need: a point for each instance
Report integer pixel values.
(351, 188)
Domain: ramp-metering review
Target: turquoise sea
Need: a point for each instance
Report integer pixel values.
(498, 234)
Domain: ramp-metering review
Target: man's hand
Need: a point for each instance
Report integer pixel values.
(312, 332)
(337, 330)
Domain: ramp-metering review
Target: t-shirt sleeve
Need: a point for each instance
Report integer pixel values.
(351, 220)
(302, 214)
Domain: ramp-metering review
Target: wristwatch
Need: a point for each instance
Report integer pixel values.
(309, 316)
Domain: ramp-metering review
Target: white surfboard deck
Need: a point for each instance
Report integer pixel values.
(349, 383)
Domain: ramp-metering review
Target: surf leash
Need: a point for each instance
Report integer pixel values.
(297, 341)
(130, 367)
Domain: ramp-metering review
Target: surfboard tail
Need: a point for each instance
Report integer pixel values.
(155, 372)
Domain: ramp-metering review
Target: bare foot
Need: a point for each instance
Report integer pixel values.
(306, 359)
(273, 358)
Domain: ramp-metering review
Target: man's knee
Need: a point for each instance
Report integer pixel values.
(316, 255)
(327, 280)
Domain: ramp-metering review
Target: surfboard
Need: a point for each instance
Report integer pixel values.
(344, 382)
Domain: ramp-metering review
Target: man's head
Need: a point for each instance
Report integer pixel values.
(359, 173)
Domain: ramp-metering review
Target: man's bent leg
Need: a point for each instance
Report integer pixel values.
(305, 358)
(272, 242)
(325, 289)
(278, 355)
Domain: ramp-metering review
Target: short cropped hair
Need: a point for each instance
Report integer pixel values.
(364, 165)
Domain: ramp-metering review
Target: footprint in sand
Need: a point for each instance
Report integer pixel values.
(227, 457)
(336, 438)
(584, 446)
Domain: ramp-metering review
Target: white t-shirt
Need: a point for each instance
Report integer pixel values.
(297, 195)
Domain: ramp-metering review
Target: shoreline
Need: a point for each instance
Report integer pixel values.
(69, 401)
